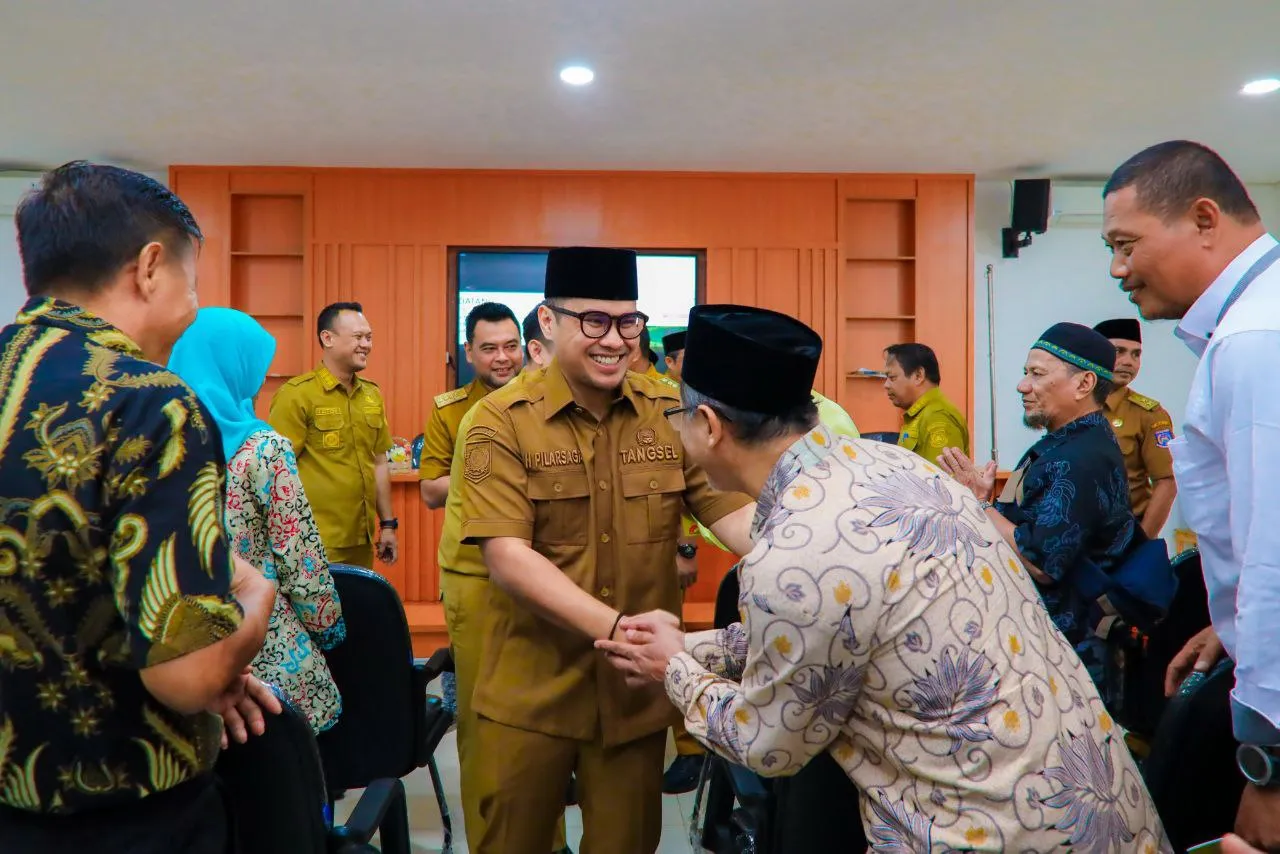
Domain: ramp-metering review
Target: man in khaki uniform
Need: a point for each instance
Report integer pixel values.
(337, 422)
(930, 422)
(493, 349)
(1143, 429)
(537, 347)
(573, 481)
(673, 353)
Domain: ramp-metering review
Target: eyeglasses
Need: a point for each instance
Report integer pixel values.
(677, 410)
(596, 324)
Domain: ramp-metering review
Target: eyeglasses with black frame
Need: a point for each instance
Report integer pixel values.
(596, 324)
(676, 410)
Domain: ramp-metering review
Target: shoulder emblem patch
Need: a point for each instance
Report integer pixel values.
(1164, 437)
(1143, 401)
(938, 435)
(443, 400)
(477, 458)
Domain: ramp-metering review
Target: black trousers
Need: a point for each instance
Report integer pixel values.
(191, 818)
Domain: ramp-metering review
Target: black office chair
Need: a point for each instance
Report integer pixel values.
(277, 798)
(389, 725)
(1191, 771)
(887, 436)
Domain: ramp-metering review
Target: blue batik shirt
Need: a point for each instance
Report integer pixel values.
(1074, 506)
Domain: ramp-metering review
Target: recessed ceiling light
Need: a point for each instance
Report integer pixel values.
(1260, 87)
(577, 75)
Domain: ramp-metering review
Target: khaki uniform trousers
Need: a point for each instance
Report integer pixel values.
(361, 555)
(466, 598)
(523, 777)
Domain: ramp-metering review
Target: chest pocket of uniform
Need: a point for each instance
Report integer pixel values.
(908, 439)
(652, 500)
(328, 422)
(375, 418)
(1128, 444)
(561, 507)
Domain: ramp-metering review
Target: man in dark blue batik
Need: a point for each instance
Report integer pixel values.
(1067, 502)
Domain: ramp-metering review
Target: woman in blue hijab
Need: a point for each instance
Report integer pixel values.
(224, 356)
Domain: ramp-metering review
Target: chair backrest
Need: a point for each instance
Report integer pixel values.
(383, 706)
(1191, 772)
(889, 437)
(275, 788)
(726, 609)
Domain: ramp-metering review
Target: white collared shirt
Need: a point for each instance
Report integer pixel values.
(1227, 466)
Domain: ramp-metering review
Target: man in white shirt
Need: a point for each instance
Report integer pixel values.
(1187, 243)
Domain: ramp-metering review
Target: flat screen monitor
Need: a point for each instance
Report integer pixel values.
(668, 289)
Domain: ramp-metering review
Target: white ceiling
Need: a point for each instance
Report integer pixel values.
(997, 87)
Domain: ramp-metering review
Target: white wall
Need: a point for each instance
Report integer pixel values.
(12, 292)
(1061, 276)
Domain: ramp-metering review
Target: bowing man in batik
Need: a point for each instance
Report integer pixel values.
(884, 620)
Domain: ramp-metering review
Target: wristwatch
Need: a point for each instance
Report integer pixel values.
(687, 550)
(1259, 765)
(391, 523)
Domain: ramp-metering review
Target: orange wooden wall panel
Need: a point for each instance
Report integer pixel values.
(382, 238)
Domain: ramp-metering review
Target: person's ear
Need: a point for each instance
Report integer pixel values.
(150, 259)
(715, 425)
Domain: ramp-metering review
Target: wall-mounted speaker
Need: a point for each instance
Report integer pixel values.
(1030, 206)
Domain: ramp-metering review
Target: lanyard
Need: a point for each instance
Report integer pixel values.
(1259, 267)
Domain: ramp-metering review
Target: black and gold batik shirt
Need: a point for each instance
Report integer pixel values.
(112, 559)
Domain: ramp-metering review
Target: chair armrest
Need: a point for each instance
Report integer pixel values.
(378, 798)
(441, 661)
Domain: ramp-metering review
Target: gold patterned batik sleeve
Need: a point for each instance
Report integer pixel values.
(171, 570)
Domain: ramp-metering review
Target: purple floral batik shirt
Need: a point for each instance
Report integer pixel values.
(884, 620)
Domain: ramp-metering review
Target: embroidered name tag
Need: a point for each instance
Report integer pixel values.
(328, 410)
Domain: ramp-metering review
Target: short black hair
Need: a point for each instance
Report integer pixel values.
(912, 357)
(755, 428)
(1170, 176)
(328, 314)
(490, 312)
(86, 221)
(532, 330)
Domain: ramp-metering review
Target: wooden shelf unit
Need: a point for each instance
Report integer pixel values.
(877, 299)
(268, 277)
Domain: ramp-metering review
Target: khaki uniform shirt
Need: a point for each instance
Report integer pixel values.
(453, 555)
(441, 434)
(601, 501)
(336, 435)
(1144, 430)
(931, 424)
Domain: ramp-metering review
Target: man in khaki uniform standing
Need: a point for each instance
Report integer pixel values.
(494, 351)
(337, 422)
(673, 353)
(1142, 427)
(573, 482)
(930, 422)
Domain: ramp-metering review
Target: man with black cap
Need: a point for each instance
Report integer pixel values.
(885, 622)
(673, 353)
(1068, 499)
(572, 485)
(1143, 428)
